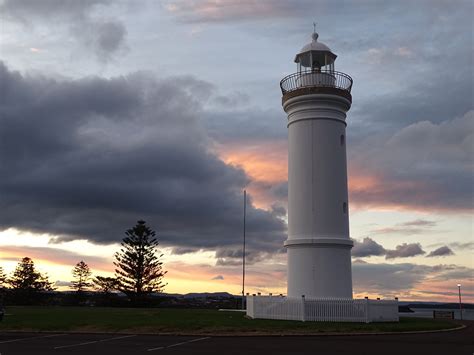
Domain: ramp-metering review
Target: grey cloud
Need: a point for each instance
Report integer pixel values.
(441, 251)
(461, 246)
(231, 101)
(424, 165)
(404, 251)
(87, 158)
(458, 273)
(388, 277)
(395, 279)
(450, 272)
(25, 10)
(244, 125)
(62, 283)
(105, 36)
(218, 277)
(278, 210)
(233, 257)
(359, 261)
(230, 10)
(368, 247)
(184, 250)
(418, 226)
(420, 222)
(432, 293)
(280, 191)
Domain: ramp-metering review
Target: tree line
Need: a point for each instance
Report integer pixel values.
(138, 273)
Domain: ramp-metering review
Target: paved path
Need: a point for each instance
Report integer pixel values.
(451, 343)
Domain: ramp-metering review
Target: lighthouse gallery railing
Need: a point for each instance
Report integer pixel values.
(316, 78)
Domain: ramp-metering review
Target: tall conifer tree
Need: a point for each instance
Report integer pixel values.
(82, 275)
(27, 283)
(139, 269)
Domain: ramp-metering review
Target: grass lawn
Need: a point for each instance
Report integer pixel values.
(186, 321)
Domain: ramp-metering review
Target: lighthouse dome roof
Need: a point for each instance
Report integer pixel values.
(315, 46)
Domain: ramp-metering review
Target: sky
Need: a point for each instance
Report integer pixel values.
(116, 111)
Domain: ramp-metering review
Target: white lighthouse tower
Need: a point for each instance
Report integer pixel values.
(316, 99)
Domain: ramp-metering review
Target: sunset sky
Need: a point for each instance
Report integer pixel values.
(115, 111)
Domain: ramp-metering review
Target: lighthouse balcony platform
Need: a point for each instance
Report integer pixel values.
(316, 82)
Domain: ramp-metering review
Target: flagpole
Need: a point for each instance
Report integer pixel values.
(243, 253)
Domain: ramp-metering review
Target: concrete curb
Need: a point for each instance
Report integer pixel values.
(256, 334)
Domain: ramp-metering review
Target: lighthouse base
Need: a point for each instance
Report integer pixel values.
(319, 268)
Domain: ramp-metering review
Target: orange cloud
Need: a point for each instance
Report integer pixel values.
(184, 278)
(53, 256)
(265, 163)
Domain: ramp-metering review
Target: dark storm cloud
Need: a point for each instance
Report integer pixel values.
(233, 257)
(405, 250)
(368, 247)
(184, 250)
(87, 158)
(441, 251)
(105, 36)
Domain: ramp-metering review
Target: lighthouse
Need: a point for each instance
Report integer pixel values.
(316, 99)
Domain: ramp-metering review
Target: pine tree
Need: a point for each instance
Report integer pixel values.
(139, 269)
(105, 284)
(27, 283)
(82, 275)
(3, 278)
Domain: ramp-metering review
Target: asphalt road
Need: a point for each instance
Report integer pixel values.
(451, 343)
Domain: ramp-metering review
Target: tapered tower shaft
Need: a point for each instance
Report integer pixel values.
(316, 99)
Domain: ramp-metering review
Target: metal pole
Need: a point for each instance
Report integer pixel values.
(460, 303)
(243, 253)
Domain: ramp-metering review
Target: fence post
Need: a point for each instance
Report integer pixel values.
(367, 316)
(303, 309)
(250, 307)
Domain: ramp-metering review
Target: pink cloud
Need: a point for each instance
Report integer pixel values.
(229, 10)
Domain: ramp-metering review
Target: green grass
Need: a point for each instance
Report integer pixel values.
(186, 321)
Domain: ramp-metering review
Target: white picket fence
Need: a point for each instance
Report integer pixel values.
(322, 309)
